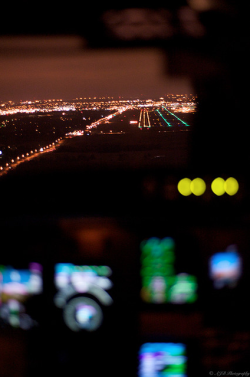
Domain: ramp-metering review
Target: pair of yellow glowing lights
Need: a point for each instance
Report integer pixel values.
(197, 186)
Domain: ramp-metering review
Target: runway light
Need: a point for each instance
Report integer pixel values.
(231, 186)
(218, 186)
(184, 187)
(198, 186)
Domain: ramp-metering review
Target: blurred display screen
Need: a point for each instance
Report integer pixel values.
(162, 359)
(16, 288)
(82, 291)
(225, 268)
(160, 284)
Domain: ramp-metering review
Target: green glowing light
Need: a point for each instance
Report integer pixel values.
(182, 121)
(169, 125)
(198, 186)
(167, 243)
(159, 282)
(218, 186)
(184, 187)
(184, 289)
(231, 186)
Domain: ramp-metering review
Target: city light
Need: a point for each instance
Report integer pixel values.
(26, 117)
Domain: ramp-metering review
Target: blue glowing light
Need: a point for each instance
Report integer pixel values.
(82, 313)
(162, 359)
(16, 286)
(225, 268)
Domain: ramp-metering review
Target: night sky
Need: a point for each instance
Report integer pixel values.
(61, 67)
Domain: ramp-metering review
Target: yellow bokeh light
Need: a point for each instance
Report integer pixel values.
(198, 186)
(231, 186)
(218, 186)
(184, 187)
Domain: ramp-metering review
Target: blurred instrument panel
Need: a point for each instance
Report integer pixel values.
(143, 295)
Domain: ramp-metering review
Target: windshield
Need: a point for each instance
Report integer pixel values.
(99, 132)
(63, 105)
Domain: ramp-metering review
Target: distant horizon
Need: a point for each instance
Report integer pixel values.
(89, 73)
(141, 97)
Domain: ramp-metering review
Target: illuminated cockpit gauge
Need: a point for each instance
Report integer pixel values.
(82, 291)
(225, 268)
(17, 286)
(82, 313)
(160, 284)
(162, 359)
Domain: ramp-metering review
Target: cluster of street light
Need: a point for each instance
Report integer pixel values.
(28, 156)
(75, 133)
(107, 118)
